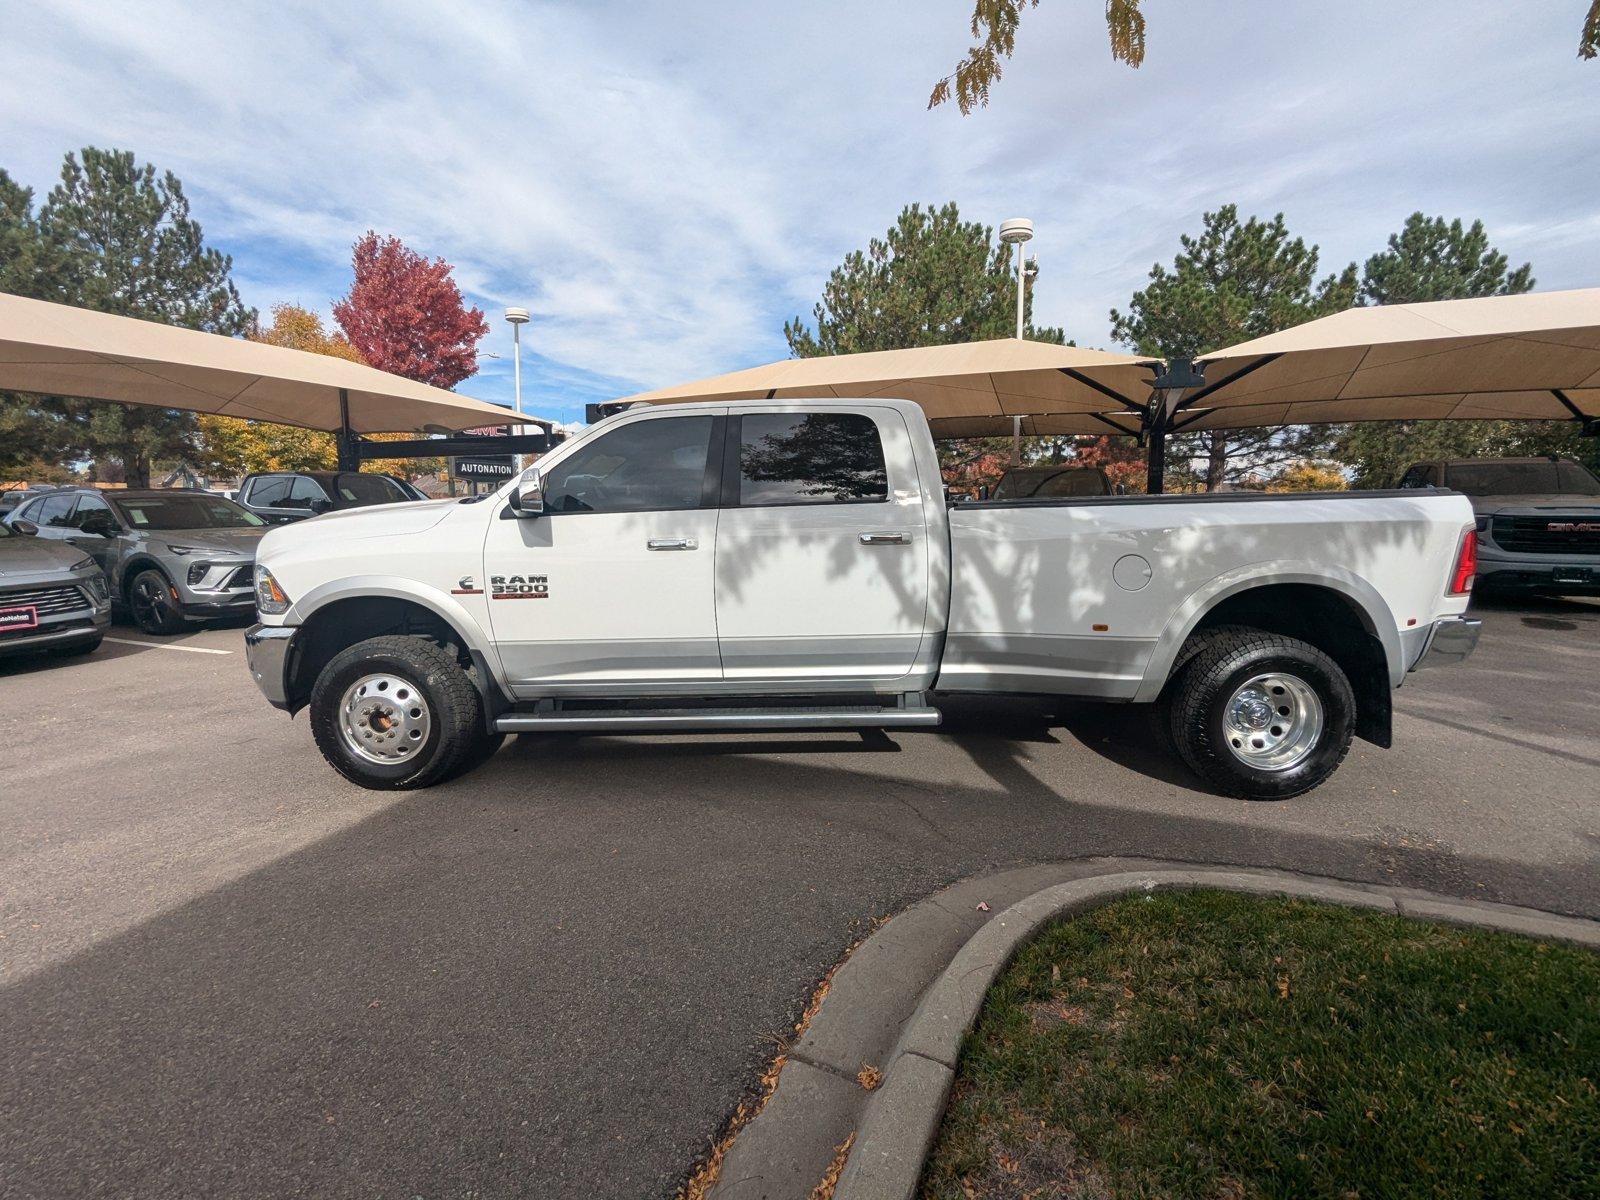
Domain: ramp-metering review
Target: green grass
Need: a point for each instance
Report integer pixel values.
(1214, 1045)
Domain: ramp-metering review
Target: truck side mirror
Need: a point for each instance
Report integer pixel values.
(527, 498)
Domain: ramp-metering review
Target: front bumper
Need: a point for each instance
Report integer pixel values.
(60, 634)
(1451, 641)
(268, 650)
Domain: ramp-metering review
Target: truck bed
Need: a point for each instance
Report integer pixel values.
(1094, 595)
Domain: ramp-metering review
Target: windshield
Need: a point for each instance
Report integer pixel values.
(184, 510)
(1521, 479)
(356, 490)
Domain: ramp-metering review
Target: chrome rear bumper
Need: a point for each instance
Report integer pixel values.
(1452, 639)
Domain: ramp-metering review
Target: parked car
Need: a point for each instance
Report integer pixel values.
(1021, 483)
(794, 565)
(169, 555)
(281, 496)
(1538, 520)
(53, 598)
(14, 498)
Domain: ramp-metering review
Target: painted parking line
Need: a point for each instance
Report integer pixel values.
(167, 646)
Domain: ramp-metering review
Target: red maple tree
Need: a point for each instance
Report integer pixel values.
(405, 314)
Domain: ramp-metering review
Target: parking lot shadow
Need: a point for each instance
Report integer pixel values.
(554, 977)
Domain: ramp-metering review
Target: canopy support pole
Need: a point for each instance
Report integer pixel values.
(345, 441)
(1588, 426)
(1178, 375)
(1016, 441)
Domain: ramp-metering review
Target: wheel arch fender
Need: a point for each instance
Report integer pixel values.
(360, 587)
(1368, 604)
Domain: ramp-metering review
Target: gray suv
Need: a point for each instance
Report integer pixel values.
(1538, 520)
(52, 598)
(169, 555)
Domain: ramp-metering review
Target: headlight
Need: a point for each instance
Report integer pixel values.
(98, 589)
(181, 551)
(85, 564)
(270, 598)
(197, 572)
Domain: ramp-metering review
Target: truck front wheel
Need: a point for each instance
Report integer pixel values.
(397, 712)
(1259, 715)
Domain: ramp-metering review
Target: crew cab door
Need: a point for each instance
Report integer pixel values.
(822, 548)
(610, 589)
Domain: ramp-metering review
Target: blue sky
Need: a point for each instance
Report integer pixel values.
(664, 183)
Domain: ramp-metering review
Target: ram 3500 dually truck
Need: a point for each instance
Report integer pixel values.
(795, 565)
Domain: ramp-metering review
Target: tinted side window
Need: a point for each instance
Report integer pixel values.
(810, 458)
(647, 466)
(269, 491)
(88, 505)
(56, 510)
(303, 490)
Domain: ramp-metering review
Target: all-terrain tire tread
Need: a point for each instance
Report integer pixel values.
(457, 709)
(1191, 691)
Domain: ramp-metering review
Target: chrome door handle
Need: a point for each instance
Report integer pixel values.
(884, 539)
(673, 544)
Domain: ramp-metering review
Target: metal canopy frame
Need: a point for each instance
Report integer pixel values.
(353, 449)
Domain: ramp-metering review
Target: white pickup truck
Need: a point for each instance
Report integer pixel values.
(795, 565)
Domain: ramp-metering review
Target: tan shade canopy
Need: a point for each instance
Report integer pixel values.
(967, 390)
(58, 350)
(1502, 357)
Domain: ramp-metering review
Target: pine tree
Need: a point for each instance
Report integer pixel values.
(125, 243)
(1234, 281)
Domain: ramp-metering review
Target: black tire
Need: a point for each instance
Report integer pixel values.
(455, 737)
(74, 649)
(154, 603)
(1198, 698)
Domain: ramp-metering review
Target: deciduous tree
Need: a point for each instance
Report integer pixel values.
(994, 29)
(1234, 281)
(404, 314)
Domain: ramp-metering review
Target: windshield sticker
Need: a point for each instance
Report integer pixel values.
(138, 516)
(519, 587)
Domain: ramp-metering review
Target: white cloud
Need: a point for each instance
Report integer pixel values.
(664, 183)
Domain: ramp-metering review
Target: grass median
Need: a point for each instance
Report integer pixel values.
(1215, 1045)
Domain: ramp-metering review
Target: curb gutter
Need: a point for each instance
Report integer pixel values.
(903, 1000)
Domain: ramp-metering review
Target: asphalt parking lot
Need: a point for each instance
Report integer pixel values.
(224, 971)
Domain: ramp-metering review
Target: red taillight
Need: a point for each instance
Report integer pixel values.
(1466, 564)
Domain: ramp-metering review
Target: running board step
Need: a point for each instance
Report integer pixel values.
(735, 720)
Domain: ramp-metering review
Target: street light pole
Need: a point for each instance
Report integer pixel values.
(1016, 231)
(517, 318)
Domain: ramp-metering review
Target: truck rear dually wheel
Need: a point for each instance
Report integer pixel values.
(397, 712)
(1259, 715)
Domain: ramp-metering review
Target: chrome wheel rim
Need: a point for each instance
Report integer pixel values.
(384, 719)
(1273, 722)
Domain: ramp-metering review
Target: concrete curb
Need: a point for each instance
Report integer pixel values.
(903, 1116)
(904, 999)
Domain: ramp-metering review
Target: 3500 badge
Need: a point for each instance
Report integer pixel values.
(519, 587)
